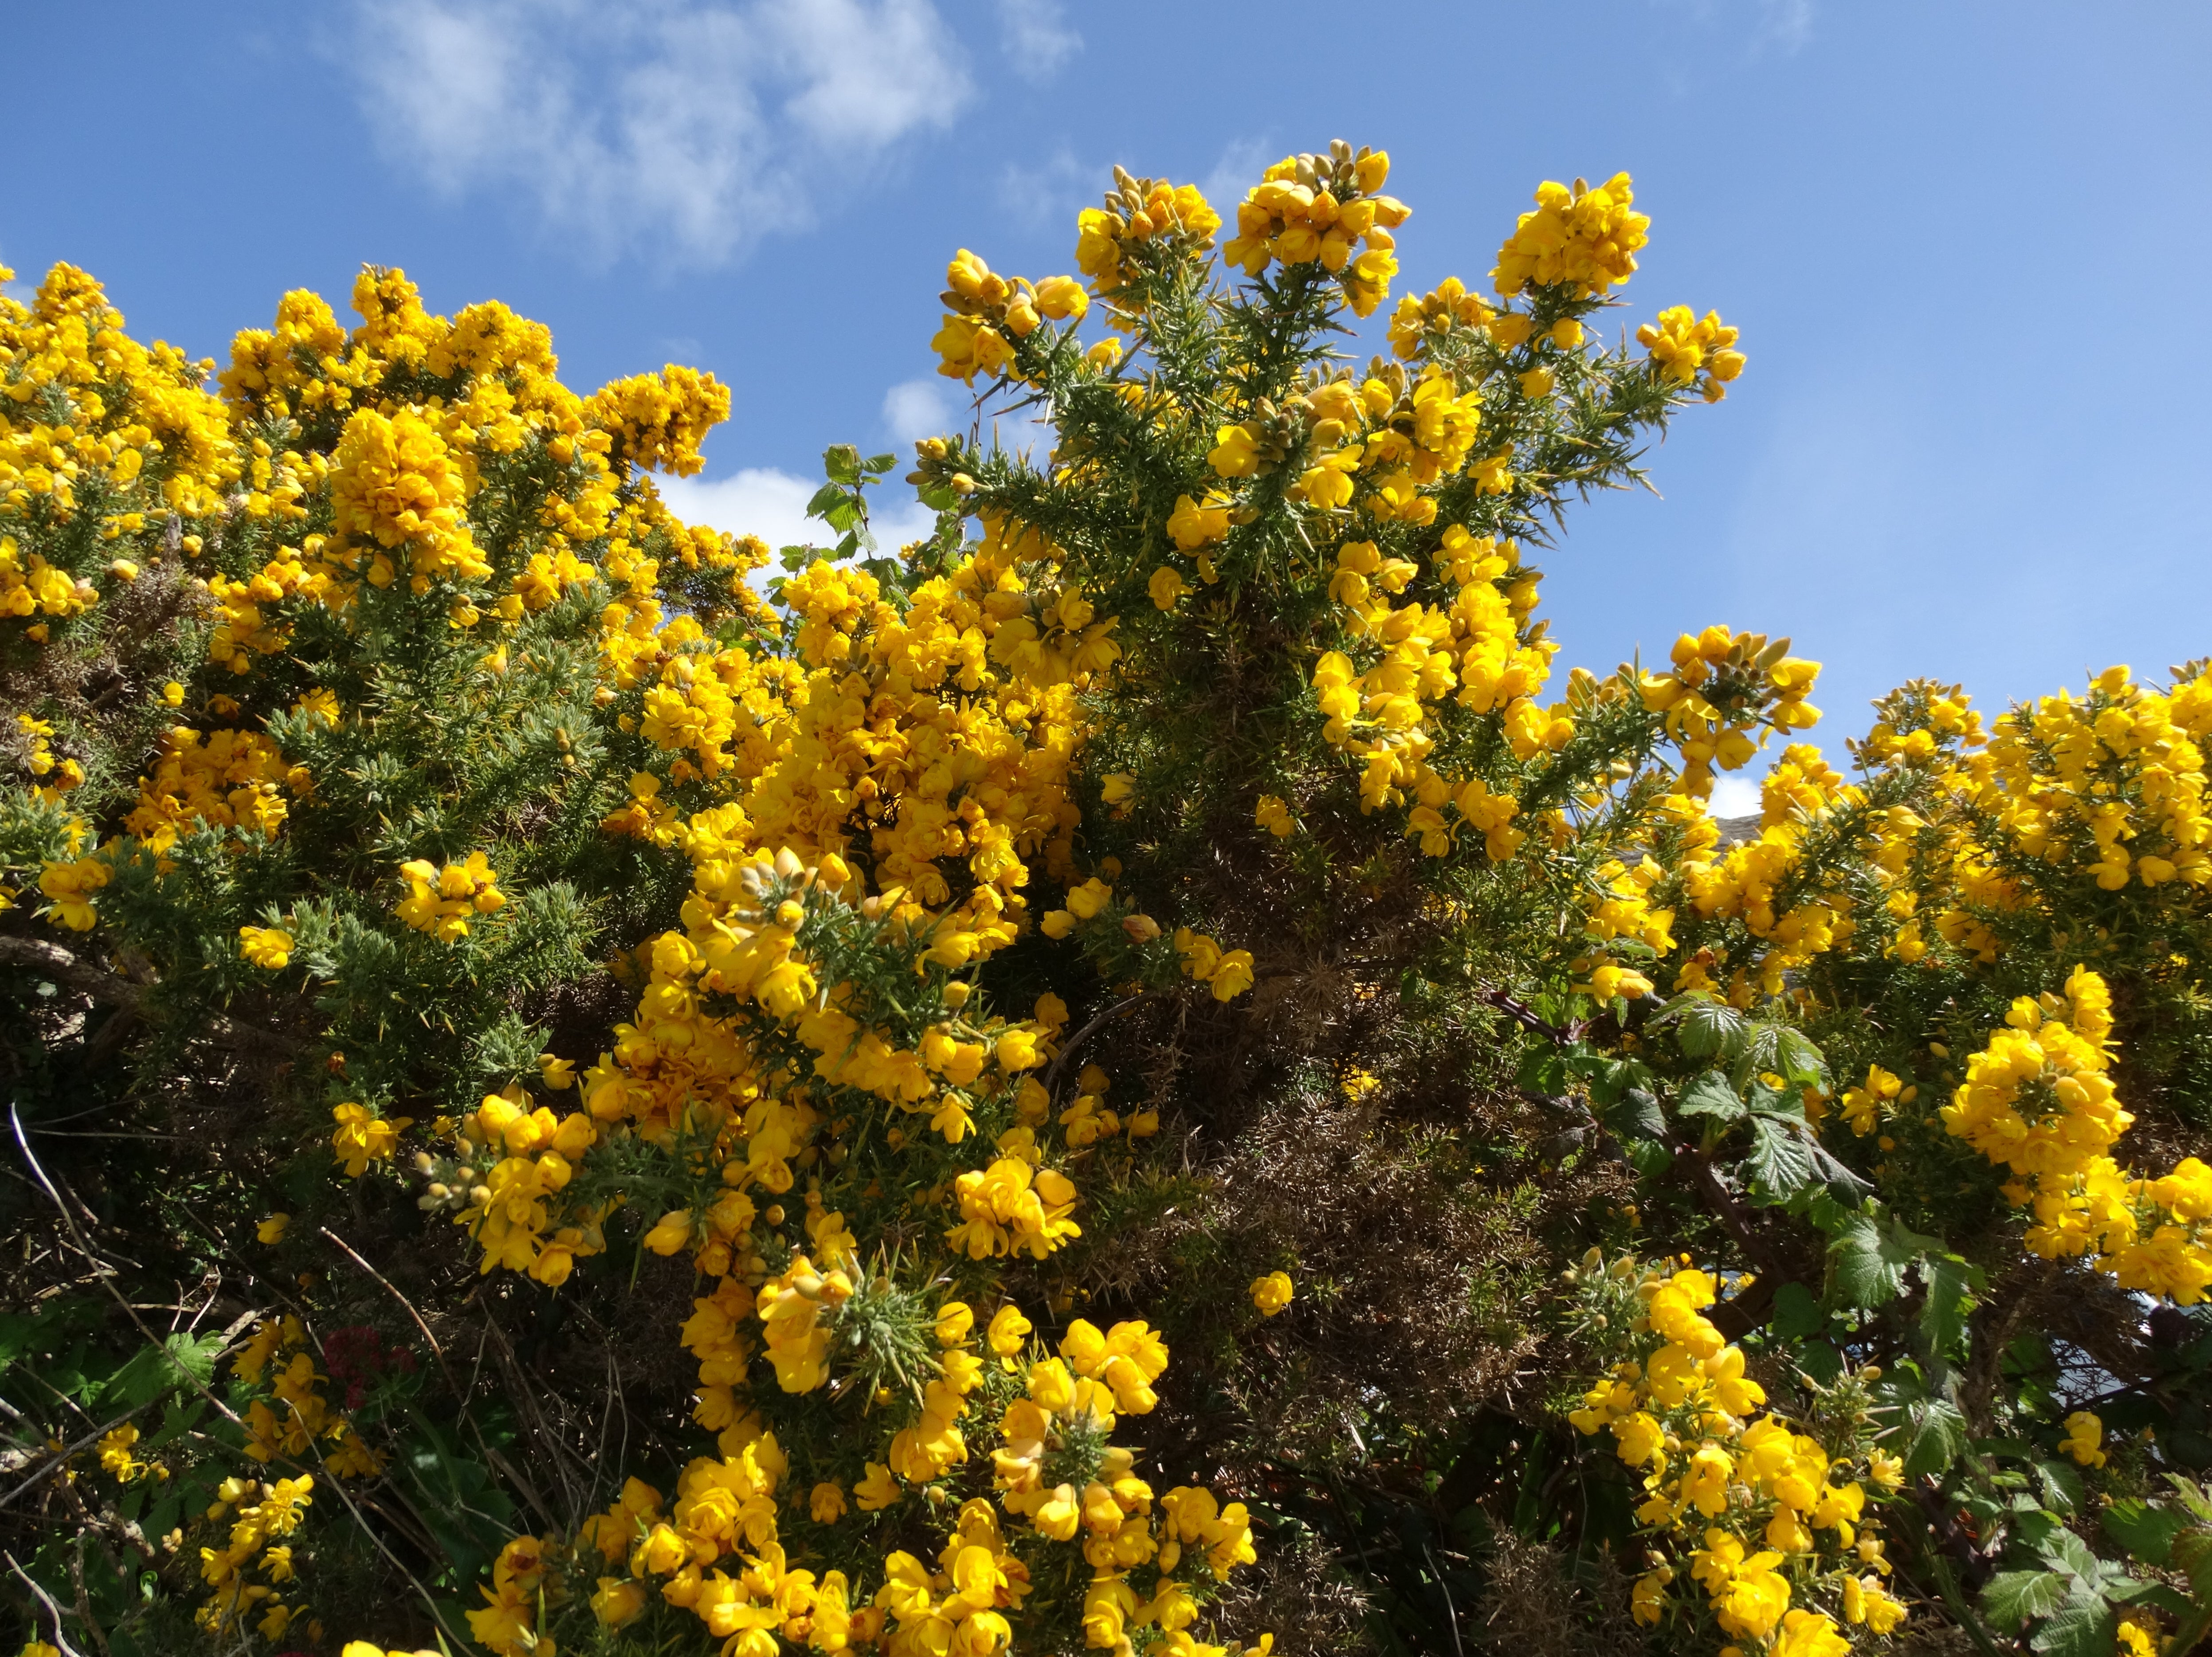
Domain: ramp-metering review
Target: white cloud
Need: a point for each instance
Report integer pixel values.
(683, 129)
(1039, 192)
(1036, 36)
(1242, 162)
(772, 504)
(916, 409)
(1735, 795)
(1788, 23)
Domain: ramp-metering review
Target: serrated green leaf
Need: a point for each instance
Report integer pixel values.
(1705, 1027)
(1802, 1062)
(1935, 1435)
(2062, 1551)
(1798, 1314)
(1711, 1095)
(1776, 1102)
(2061, 1484)
(879, 463)
(1781, 1163)
(2084, 1625)
(1867, 1263)
(1950, 1298)
(841, 462)
(1636, 1115)
(1542, 1071)
(2016, 1597)
(181, 1361)
(2146, 1533)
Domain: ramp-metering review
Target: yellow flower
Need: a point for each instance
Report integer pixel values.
(1233, 976)
(360, 1138)
(826, 1502)
(876, 1490)
(954, 1321)
(1271, 1293)
(1166, 587)
(265, 946)
(2085, 1433)
(271, 1230)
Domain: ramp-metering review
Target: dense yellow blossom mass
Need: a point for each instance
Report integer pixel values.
(924, 884)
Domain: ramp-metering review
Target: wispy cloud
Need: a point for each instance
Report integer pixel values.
(1786, 25)
(1036, 37)
(916, 409)
(1238, 168)
(772, 504)
(1039, 192)
(684, 130)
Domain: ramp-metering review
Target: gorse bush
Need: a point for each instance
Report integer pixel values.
(1139, 1075)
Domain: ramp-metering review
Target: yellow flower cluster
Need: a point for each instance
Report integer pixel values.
(989, 312)
(394, 484)
(1325, 210)
(1583, 239)
(1771, 1524)
(510, 1214)
(895, 753)
(2038, 1101)
(1725, 687)
(263, 1516)
(1620, 907)
(69, 888)
(1416, 322)
(91, 420)
(2119, 773)
(442, 901)
(1142, 220)
(266, 947)
(1478, 646)
(1684, 346)
(2085, 1438)
(245, 630)
(117, 1460)
(659, 420)
(2105, 791)
(301, 1422)
(222, 779)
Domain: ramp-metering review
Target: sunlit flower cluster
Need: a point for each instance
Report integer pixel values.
(1772, 1524)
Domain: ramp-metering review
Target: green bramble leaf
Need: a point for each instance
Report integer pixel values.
(1781, 1163)
(1798, 1314)
(2013, 1599)
(1705, 1027)
(1637, 1115)
(1934, 1434)
(2146, 1531)
(2084, 1625)
(1950, 1283)
(1711, 1095)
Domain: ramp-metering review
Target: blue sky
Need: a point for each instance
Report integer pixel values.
(1966, 243)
